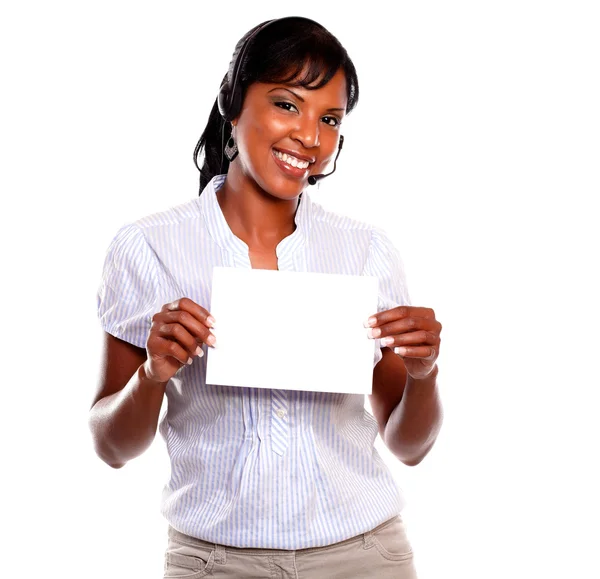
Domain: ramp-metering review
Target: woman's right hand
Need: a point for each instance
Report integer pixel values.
(175, 338)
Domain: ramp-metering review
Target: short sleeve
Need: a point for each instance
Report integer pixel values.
(385, 263)
(127, 296)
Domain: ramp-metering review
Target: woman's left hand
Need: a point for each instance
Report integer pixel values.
(413, 333)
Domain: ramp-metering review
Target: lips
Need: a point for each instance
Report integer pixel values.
(297, 155)
(289, 170)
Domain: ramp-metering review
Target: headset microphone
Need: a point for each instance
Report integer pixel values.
(312, 180)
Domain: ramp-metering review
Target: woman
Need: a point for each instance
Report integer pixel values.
(265, 483)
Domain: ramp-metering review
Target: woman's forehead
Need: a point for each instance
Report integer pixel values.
(334, 89)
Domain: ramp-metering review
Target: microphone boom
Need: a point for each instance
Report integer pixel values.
(312, 179)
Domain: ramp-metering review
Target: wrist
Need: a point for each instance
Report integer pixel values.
(427, 380)
(145, 377)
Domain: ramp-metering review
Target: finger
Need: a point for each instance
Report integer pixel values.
(397, 313)
(198, 330)
(420, 338)
(423, 352)
(405, 325)
(160, 347)
(177, 333)
(188, 305)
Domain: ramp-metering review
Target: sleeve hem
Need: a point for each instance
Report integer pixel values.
(117, 333)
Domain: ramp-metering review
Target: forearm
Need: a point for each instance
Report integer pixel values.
(415, 422)
(123, 425)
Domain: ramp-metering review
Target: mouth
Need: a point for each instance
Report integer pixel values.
(290, 165)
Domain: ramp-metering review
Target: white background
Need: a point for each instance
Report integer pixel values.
(475, 144)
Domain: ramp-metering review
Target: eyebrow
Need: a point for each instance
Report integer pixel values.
(301, 99)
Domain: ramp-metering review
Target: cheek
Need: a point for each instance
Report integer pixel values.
(329, 148)
(261, 132)
(269, 128)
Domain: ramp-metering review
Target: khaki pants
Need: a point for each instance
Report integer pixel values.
(382, 553)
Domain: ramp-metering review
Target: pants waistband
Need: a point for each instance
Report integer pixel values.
(193, 541)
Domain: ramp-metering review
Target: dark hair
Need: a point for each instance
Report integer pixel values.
(292, 51)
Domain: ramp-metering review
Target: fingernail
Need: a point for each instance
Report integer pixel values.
(387, 341)
(373, 332)
(211, 321)
(190, 360)
(211, 340)
(370, 322)
(199, 352)
(400, 351)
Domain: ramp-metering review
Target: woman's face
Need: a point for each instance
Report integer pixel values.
(282, 127)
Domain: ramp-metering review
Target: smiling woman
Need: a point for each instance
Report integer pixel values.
(283, 135)
(265, 482)
(279, 65)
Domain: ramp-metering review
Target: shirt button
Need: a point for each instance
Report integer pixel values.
(281, 413)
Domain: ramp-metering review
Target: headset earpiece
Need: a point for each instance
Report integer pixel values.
(222, 100)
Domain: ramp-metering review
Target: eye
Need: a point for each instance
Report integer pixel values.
(285, 105)
(332, 121)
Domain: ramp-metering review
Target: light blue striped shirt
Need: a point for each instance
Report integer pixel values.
(253, 467)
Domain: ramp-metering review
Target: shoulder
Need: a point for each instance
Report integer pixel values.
(335, 220)
(372, 235)
(142, 233)
(176, 215)
(135, 240)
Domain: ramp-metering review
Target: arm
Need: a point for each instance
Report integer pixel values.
(405, 398)
(408, 410)
(124, 415)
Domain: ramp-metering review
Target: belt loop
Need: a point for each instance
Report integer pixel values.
(368, 540)
(220, 555)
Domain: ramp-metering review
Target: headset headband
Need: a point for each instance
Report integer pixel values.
(230, 93)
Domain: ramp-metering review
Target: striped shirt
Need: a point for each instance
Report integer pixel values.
(254, 467)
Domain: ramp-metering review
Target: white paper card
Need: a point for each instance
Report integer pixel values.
(291, 330)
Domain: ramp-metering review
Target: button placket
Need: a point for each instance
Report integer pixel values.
(290, 257)
(279, 421)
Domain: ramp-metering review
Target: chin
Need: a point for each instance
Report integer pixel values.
(282, 187)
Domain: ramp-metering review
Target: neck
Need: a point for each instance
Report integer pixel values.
(256, 217)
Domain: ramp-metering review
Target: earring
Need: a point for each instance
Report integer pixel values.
(231, 150)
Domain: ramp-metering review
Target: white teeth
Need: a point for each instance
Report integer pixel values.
(292, 160)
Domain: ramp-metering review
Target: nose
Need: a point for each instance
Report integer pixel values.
(306, 132)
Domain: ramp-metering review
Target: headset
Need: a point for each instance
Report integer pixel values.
(230, 93)
(229, 99)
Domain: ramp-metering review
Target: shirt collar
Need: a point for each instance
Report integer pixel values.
(224, 237)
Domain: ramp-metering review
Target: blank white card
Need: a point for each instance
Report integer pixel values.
(291, 330)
